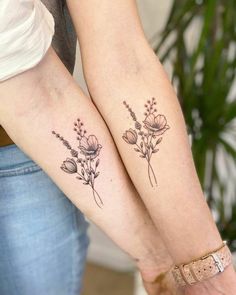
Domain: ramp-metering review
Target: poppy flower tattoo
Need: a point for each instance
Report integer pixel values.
(84, 161)
(147, 136)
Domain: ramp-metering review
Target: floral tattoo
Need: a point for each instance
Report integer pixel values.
(84, 161)
(147, 136)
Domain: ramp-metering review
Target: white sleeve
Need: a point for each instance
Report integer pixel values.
(26, 31)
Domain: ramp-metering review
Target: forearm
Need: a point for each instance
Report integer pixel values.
(119, 65)
(46, 99)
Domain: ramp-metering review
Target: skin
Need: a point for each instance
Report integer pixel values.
(46, 98)
(120, 65)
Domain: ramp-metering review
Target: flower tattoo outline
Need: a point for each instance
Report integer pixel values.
(146, 136)
(85, 160)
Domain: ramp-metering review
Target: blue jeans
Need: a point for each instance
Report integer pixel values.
(43, 236)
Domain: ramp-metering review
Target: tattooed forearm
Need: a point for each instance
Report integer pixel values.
(84, 161)
(146, 140)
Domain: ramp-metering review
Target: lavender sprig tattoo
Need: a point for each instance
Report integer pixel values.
(84, 161)
(147, 136)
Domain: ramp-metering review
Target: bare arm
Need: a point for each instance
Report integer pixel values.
(123, 75)
(39, 110)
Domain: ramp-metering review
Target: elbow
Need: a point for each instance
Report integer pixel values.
(119, 63)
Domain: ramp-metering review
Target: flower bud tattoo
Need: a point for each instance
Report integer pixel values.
(146, 136)
(84, 161)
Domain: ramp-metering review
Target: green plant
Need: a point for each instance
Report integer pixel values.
(204, 74)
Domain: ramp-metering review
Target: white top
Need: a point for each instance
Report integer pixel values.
(26, 31)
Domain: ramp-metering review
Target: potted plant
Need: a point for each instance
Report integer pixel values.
(204, 72)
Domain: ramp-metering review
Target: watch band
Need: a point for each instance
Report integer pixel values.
(203, 268)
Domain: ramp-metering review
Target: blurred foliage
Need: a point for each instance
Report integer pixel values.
(204, 71)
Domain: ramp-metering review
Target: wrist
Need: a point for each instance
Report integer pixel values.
(222, 283)
(153, 263)
(158, 280)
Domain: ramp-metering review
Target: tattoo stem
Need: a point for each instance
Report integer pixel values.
(154, 176)
(97, 198)
(149, 174)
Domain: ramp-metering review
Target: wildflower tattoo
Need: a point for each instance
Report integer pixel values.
(147, 136)
(83, 161)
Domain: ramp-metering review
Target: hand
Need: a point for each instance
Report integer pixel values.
(163, 284)
(156, 277)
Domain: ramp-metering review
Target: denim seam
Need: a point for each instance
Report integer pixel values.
(74, 289)
(74, 274)
(19, 171)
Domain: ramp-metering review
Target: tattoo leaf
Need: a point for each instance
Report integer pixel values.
(159, 140)
(74, 153)
(97, 163)
(96, 175)
(87, 171)
(155, 151)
